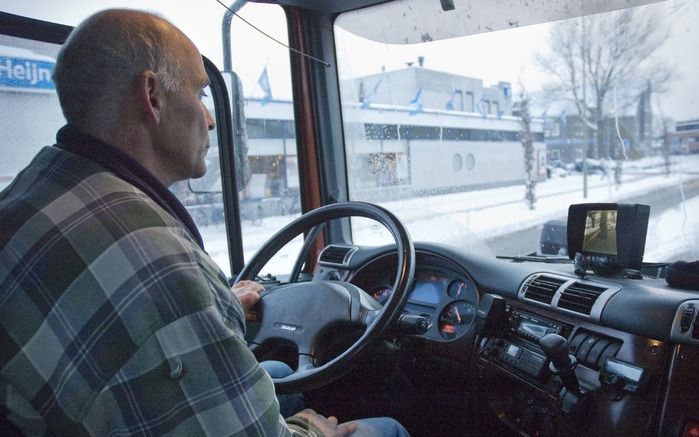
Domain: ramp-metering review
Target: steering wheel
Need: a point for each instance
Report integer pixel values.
(301, 312)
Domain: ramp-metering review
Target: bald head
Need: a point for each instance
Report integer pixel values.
(97, 68)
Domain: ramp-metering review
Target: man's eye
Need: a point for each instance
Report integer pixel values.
(203, 94)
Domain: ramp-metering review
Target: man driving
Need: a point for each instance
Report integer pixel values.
(113, 318)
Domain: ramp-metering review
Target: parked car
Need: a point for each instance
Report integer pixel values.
(593, 166)
(554, 238)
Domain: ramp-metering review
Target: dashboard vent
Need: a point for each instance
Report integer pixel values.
(542, 288)
(695, 329)
(337, 255)
(580, 297)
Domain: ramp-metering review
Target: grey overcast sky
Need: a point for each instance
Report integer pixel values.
(504, 55)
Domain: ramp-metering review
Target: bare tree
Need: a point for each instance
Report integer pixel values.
(525, 136)
(595, 57)
(665, 135)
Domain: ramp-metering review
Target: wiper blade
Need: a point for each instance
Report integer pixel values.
(537, 258)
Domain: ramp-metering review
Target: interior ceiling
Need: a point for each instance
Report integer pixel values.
(327, 6)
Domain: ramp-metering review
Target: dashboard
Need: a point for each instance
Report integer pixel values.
(633, 344)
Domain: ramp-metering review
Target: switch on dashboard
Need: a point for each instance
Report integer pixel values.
(623, 375)
(687, 317)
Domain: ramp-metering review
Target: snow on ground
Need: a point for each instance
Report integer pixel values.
(467, 218)
(675, 231)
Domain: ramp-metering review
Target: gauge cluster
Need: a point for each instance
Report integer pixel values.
(382, 293)
(447, 300)
(456, 318)
(442, 293)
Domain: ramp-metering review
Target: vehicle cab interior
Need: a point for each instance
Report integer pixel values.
(476, 217)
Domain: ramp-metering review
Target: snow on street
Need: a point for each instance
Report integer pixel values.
(465, 219)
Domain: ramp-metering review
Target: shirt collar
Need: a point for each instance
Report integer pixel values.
(127, 168)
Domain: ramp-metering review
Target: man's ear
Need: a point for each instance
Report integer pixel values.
(151, 96)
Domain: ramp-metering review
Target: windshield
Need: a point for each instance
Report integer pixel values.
(483, 141)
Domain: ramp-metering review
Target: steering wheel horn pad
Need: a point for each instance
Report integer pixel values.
(300, 312)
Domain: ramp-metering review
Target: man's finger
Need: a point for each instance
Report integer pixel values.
(346, 429)
(249, 286)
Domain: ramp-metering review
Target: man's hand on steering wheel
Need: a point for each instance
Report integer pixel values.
(327, 425)
(248, 293)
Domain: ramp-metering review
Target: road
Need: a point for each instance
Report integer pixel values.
(526, 241)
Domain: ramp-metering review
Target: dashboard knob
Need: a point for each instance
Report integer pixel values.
(411, 324)
(556, 349)
(562, 362)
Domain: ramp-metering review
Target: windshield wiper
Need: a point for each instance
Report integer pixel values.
(537, 258)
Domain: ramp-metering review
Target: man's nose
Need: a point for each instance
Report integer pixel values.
(210, 120)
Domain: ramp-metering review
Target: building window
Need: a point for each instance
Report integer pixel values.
(457, 162)
(381, 131)
(470, 161)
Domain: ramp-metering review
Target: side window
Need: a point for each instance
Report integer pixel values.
(30, 115)
(265, 146)
(270, 199)
(29, 111)
(267, 163)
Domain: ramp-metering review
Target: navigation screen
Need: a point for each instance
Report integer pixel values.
(600, 232)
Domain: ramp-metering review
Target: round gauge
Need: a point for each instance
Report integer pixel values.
(382, 294)
(457, 289)
(456, 318)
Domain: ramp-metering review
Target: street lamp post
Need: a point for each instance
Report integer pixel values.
(584, 111)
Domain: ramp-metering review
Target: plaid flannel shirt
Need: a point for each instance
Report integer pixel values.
(112, 320)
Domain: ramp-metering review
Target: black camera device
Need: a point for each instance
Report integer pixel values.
(607, 237)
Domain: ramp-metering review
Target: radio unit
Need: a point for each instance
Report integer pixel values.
(519, 349)
(532, 327)
(519, 357)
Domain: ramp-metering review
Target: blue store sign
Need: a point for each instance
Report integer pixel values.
(27, 74)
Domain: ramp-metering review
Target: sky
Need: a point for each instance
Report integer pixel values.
(509, 55)
(504, 55)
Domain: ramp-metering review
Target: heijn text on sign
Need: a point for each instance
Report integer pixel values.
(25, 74)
